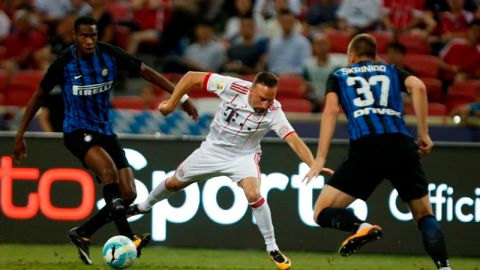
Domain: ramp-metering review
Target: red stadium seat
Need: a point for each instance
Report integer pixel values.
(127, 102)
(434, 89)
(423, 65)
(296, 105)
(414, 43)
(21, 87)
(119, 10)
(470, 86)
(291, 86)
(122, 36)
(3, 80)
(2, 99)
(3, 50)
(338, 41)
(457, 99)
(383, 40)
(434, 109)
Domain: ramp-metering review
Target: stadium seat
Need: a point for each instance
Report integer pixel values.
(470, 86)
(434, 89)
(291, 86)
(414, 43)
(122, 36)
(434, 109)
(3, 80)
(2, 99)
(119, 10)
(383, 40)
(127, 102)
(21, 87)
(3, 50)
(423, 65)
(338, 41)
(457, 99)
(296, 105)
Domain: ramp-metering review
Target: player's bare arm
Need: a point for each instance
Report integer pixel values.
(185, 84)
(420, 104)
(327, 128)
(157, 79)
(20, 146)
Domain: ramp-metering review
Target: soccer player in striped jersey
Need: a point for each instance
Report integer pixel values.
(380, 147)
(232, 147)
(86, 72)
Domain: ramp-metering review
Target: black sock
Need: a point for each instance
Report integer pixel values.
(101, 218)
(433, 241)
(339, 218)
(116, 205)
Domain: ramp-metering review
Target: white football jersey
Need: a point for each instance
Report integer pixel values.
(236, 127)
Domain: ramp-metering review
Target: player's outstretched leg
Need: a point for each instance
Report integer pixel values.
(159, 193)
(82, 244)
(345, 220)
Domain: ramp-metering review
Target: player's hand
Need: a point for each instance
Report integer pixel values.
(425, 144)
(316, 169)
(19, 150)
(166, 107)
(189, 108)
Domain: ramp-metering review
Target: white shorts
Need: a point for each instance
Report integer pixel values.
(202, 165)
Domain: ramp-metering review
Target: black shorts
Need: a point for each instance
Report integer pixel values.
(79, 141)
(376, 157)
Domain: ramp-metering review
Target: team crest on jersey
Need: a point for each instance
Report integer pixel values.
(219, 85)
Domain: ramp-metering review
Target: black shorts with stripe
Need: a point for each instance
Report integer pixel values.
(374, 158)
(81, 140)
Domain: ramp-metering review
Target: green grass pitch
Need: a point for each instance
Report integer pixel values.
(64, 257)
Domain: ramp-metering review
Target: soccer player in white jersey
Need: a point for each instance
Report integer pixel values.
(232, 147)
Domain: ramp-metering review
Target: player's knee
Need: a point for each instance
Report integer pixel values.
(173, 185)
(253, 196)
(108, 175)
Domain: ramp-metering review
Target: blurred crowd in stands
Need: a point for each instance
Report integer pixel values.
(302, 41)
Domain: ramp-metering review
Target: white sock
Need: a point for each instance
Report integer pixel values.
(363, 226)
(159, 193)
(445, 268)
(262, 214)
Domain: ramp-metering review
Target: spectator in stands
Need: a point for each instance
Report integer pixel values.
(358, 16)
(232, 28)
(23, 44)
(407, 15)
(434, 8)
(51, 11)
(205, 54)
(4, 26)
(460, 59)
(396, 55)
(321, 13)
(454, 22)
(105, 21)
(271, 27)
(288, 54)
(269, 8)
(80, 7)
(147, 22)
(248, 52)
(318, 67)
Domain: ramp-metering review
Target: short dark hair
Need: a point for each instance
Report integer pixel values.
(397, 46)
(364, 45)
(84, 20)
(266, 78)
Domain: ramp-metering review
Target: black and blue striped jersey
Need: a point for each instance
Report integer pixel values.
(86, 84)
(370, 95)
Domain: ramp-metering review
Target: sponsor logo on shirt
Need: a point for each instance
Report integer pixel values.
(92, 89)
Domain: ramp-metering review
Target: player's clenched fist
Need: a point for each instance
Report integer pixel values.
(165, 107)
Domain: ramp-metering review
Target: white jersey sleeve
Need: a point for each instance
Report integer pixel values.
(227, 88)
(280, 123)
